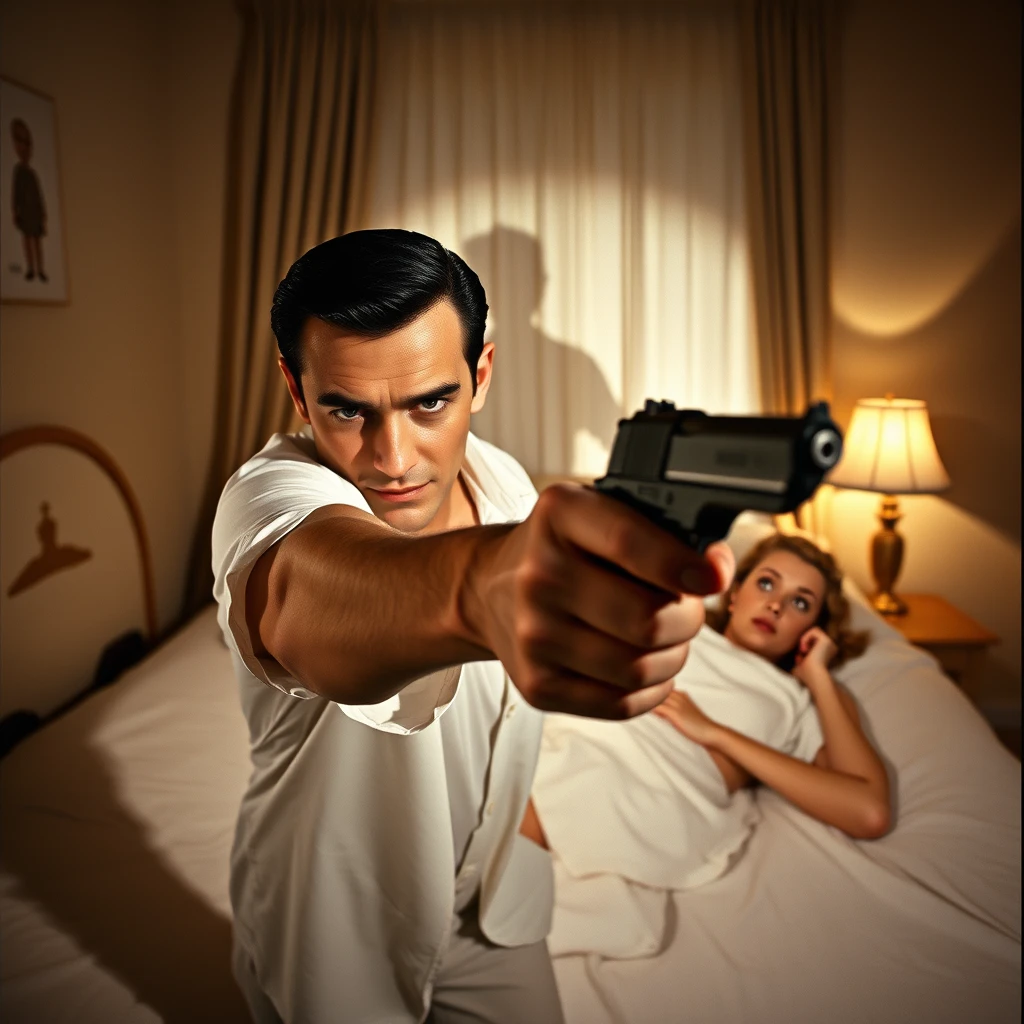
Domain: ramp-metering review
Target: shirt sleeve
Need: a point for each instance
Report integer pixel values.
(269, 496)
(806, 738)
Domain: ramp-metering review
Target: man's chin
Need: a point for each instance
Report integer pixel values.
(408, 517)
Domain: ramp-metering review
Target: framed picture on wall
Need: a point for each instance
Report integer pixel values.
(34, 267)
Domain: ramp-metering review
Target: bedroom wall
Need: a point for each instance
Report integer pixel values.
(926, 221)
(926, 292)
(141, 93)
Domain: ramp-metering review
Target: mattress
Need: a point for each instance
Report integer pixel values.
(810, 925)
(117, 821)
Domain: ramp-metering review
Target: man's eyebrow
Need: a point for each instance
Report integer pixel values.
(434, 395)
(339, 400)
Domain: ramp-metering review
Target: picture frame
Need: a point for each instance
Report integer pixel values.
(33, 268)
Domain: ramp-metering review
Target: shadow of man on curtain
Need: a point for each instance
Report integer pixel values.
(545, 392)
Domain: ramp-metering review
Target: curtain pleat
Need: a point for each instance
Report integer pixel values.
(586, 160)
(299, 165)
(786, 49)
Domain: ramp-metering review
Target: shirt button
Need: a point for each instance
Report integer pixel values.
(510, 711)
(468, 869)
(490, 809)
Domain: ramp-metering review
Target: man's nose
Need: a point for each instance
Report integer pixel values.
(393, 452)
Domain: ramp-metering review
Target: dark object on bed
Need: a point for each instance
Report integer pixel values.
(15, 727)
(115, 659)
(693, 474)
(119, 656)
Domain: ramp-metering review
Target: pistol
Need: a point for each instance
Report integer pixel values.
(692, 473)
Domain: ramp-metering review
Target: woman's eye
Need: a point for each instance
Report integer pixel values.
(801, 604)
(765, 583)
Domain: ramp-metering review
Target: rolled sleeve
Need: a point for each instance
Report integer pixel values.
(265, 500)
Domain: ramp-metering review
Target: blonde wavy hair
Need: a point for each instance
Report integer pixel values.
(835, 609)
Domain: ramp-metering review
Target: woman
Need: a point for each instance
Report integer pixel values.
(786, 606)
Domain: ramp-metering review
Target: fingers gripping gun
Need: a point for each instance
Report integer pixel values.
(693, 474)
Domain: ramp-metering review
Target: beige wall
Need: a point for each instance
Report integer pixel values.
(926, 288)
(926, 160)
(141, 91)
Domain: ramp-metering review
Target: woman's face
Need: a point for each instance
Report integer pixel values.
(775, 605)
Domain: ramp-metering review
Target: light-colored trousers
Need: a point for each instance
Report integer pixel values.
(478, 983)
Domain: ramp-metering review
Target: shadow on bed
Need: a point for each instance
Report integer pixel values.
(136, 918)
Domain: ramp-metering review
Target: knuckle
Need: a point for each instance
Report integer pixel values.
(547, 501)
(639, 673)
(645, 628)
(531, 580)
(530, 634)
(552, 499)
(620, 541)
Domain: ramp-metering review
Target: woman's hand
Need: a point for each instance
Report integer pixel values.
(680, 712)
(814, 653)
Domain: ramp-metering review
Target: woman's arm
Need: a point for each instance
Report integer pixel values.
(854, 799)
(847, 786)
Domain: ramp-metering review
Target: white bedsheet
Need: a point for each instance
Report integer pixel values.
(811, 926)
(116, 825)
(117, 822)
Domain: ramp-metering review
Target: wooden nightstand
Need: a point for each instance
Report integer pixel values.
(943, 630)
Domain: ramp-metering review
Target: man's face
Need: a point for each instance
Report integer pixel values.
(391, 414)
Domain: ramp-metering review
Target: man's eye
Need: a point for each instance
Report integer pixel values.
(346, 414)
(433, 404)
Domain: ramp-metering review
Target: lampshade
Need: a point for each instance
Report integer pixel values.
(889, 448)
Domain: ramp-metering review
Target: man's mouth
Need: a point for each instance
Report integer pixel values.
(397, 494)
(764, 625)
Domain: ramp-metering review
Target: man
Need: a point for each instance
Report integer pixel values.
(401, 607)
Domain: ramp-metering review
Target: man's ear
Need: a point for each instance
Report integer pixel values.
(293, 389)
(484, 367)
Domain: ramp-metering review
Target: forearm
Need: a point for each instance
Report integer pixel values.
(858, 806)
(849, 750)
(356, 611)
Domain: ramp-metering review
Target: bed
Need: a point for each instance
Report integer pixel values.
(116, 818)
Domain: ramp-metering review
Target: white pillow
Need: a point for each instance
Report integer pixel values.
(748, 529)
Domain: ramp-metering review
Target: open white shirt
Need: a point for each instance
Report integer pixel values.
(363, 828)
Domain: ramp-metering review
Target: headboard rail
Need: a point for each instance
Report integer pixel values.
(28, 437)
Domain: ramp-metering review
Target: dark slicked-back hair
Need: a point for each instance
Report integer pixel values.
(372, 283)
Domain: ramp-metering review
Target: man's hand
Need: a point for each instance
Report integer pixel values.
(589, 605)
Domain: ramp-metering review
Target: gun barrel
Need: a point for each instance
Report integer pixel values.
(693, 473)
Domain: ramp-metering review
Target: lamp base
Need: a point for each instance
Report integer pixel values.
(886, 557)
(888, 604)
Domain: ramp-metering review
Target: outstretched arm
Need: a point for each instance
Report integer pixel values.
(587, 603)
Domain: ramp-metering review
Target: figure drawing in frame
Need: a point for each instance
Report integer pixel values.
(27, 202)
(33, 268)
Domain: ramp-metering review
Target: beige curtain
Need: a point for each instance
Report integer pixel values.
(786, 51)
(587, 161)
(298, 165)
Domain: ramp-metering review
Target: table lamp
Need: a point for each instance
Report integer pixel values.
(889, 448)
